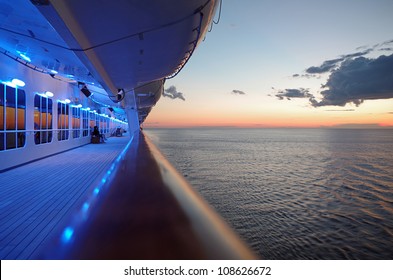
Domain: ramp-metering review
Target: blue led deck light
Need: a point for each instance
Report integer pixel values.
(67, 234)
(85, 207)
(69, 231)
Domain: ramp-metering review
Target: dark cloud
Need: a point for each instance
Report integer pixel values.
(353, 78)
(330, 65)
(362, 47)
(294, 93)
(236, 91)
(307, 76)
(326, 66)
(387, 42)
(380, 47)
(357, 54)
(357, 80)
(386, 49)
(390, 112)
(172, 93)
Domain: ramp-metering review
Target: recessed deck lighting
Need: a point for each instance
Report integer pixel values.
(67, 234)
(49, 94)
(18, 82)
(25, 57)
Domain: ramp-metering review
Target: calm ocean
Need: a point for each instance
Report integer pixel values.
(293, 193)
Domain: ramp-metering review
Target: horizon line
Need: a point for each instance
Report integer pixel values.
(337, 126)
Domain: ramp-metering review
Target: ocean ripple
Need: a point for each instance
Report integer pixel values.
(294, 193)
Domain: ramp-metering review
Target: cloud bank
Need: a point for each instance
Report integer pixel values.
(357, 80)
(172, 93)
(353, 78)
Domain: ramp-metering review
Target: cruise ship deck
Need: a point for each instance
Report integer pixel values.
(37, 198)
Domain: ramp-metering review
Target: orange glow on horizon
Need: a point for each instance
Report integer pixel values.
(273, 124)
(267, 121)
(242, 112)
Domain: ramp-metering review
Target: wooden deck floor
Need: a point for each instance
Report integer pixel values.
(35, 198)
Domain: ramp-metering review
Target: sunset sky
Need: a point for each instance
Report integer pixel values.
(287, 63)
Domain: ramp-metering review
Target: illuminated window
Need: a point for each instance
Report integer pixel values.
(85, 123)
(92, 121)
(107, 125)
(63, 112)
(12, 118)
(102, 125)
(43, 109)
(111, 125)
(76, 124)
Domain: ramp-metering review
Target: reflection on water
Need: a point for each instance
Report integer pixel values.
(294, 193)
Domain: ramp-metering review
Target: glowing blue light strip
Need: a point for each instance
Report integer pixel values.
(69, 231)
(25, 57)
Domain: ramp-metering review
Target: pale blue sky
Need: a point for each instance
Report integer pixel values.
(260, 44)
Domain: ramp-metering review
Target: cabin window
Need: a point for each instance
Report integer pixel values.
(104, 124)
(107, 124)
(111, 125)
(85, 123)
(43, 112)
(101, 125)
(63, 112)
(12, 118)
(92, 120)
(76, 124)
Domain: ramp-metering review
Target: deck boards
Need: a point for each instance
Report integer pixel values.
(36, 197)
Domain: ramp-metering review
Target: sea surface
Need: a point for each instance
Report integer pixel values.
(293, 193)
